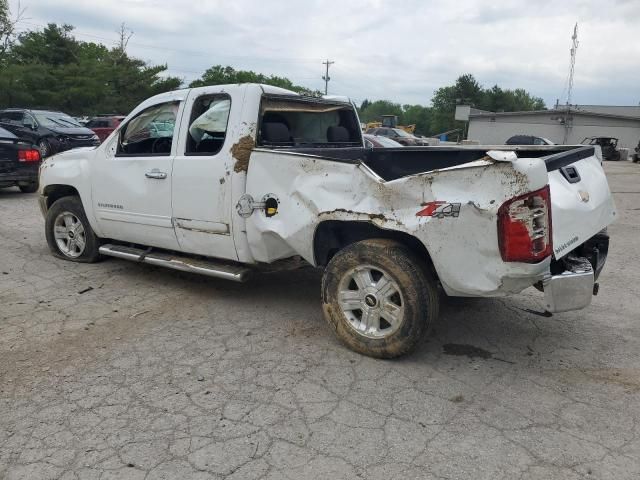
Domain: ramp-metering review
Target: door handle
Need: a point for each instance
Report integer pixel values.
(157, 174)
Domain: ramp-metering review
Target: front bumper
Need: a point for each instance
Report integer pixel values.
(42, 203)
(571, 290)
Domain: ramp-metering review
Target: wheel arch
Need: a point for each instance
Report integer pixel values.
(57, 191)
(333, 235)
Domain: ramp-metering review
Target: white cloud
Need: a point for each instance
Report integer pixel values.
(397, 50)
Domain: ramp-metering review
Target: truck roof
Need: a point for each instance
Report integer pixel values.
(181, 93)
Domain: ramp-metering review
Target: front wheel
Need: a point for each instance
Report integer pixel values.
(378, 299)
(68, 232)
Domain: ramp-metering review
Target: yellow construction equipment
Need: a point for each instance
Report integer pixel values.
(391, 121)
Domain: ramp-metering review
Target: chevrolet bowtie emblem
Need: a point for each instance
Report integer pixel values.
(584, 196)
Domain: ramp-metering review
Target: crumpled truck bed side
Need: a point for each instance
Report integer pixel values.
(458, 224)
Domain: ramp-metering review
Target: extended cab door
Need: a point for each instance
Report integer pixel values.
(131, 182)
(202, 177)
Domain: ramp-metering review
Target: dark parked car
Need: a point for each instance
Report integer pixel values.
(19, 163)
(378, 141)
(528, 140)
(52, 132)
(104, 125)
(397, 135)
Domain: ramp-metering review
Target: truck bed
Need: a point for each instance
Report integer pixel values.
(393, 163)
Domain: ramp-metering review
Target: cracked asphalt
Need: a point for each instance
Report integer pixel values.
(124, 371)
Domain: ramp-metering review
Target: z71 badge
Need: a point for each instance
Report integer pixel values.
(439, 209)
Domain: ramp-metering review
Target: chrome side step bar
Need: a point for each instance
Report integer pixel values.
(184, 264)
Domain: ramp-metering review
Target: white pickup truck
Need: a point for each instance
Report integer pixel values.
(228, 180)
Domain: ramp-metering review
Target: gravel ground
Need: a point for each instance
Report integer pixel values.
(125, 371)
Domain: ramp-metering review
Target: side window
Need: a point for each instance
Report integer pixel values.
(28, 121)
(150, 132)
(14, 118)
(538, 141)
(208, 125)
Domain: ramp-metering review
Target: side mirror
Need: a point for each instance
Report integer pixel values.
(29, 124)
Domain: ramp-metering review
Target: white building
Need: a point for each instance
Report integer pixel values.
(561, 126)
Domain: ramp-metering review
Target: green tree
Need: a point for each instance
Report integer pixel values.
(419, 116)
(372, 111)
(7, 27)
(467, 91)
(219, 75)
(52, 69)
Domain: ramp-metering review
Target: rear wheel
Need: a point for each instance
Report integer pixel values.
(378, 299)
(68, 232)
(29, 188)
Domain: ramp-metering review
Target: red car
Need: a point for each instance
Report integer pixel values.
(103, 126)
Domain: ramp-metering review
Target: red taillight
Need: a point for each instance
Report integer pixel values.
(524, 227)
(29, 155)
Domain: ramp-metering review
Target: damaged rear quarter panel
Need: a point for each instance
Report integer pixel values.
(312, 190)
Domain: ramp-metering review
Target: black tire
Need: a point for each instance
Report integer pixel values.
(30, 188)
(45, 148)
(73, 206)
(417, 291)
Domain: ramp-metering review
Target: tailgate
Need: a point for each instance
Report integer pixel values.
(581, 202)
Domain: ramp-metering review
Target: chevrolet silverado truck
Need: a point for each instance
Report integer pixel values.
(230, 180)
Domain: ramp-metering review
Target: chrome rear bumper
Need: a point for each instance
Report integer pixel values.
(570, 290)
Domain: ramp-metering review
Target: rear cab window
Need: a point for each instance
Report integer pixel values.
(289, 121)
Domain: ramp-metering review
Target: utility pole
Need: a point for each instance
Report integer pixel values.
(326, 77)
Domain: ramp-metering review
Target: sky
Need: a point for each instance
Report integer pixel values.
(400, 50)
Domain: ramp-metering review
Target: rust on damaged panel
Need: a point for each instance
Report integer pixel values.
(241, 151)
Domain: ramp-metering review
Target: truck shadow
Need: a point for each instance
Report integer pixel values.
(478, 328)
(13, 193)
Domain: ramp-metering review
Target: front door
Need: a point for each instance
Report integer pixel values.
(132, 182)
(202, 178)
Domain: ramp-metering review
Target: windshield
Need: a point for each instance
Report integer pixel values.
(387, 142)
(155, 122)
(54, 119)
(401, 133)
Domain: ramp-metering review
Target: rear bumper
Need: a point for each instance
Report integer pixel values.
(572, 280)
(571, 290)
(19, 178)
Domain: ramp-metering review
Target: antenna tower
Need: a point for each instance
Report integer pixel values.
(574, 49)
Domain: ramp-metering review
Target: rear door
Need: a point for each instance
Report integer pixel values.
(581, 201)
(201, 183)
